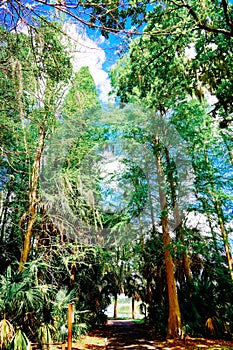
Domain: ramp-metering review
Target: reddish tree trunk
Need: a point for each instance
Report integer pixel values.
(115, 306)
(174, 319)
(133, 308)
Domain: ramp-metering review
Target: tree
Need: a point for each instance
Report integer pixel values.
(133, 86)
(82, 95)
(211, 17)
(51, 65)
(172, 58)
(34, 110)
(70, 174)
(156, 72)
(205, 155)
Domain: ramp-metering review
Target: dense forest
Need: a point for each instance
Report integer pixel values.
(134, 196)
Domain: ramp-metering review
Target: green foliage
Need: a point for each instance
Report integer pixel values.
(34, 70)
(6, 333)
(171, 71)
(82, 94)
(20, 340)
(134, 175)
(159, 73)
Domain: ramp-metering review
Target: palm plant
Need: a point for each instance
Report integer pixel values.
(21, 303)
(6, 333)
(20, 340)
(59, 314)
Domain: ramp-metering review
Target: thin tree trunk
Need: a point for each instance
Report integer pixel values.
(133, 307)
(204, 203)
(159, 283)
(4, 210)
(33, 199)
(219, 213)
(224, 236)
(149, 293)
(177, 217)
(206, 210)
(174, 319)
(150, 201)
(115, 306)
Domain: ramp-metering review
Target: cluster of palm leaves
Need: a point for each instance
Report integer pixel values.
(32, 310)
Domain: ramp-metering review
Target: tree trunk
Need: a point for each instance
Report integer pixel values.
(177, 217)
(159, 283)
(133, 307)
(33, 199)
(224, 236)
(150, 201)
(174, 319)
(3, 219)
(148, 290)
(219, 213)
(115, 306)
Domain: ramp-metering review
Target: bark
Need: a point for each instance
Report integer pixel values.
(174, 319)
(177, 217)
(115, 306)
(33, 199)
(133, 308)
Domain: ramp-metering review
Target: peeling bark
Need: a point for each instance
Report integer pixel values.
(174, 318)
(33, 199)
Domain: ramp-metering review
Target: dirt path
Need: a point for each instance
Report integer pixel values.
(132, 336)
(129, 335)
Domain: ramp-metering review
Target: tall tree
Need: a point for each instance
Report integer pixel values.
(174, 319)
(36, 97)
(70, 174)
(206, 151)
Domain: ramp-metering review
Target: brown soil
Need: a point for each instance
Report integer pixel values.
(122, 335)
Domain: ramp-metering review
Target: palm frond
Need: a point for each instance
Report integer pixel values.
(20, 341)
(6, 332)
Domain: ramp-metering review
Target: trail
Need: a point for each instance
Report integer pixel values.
(129, 335)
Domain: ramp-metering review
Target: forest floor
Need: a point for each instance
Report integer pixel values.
(122, 335)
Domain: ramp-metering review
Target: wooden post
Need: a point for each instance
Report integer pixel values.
(70, 319)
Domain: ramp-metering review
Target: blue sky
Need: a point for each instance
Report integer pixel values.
(93, 50)
(96, 52)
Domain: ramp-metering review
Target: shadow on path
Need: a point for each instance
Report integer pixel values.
(129, 335)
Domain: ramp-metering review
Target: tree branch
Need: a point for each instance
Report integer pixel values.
(202, 25)
(225, 9)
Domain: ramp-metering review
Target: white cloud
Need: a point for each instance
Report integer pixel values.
(86, 52)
